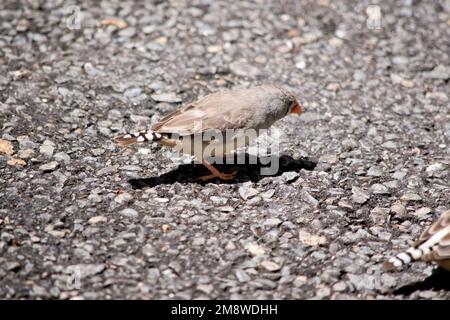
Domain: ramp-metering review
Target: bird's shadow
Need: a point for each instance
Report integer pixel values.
(438, 280)
(252, 170)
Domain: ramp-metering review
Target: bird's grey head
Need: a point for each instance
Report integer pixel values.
(283, 102)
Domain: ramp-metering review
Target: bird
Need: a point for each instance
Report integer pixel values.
(432, 245)
(235, 113)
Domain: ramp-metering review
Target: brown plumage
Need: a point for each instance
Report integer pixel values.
(432, 245)
(244, 109)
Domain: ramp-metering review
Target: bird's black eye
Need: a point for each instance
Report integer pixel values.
(289, 109)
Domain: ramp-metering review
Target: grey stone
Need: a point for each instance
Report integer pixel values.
(359, 195)
(47, 148)
(127, 32)
(85, 270)
(400, 60)
(129, 213)
(374, 172)
(427, 294)
(244, 69)
(268, 194)
(339, 286)
(399, 175)
(132, 93)
(26, 143)
(440, 72)
(39, 291)
(166, 97)
(308, 198)
(422, 212)
(272, 222)
(247, 192)
(270, 266)
(12, 266)
(123, 198)
(378, 188)
(411, 197)
(62, 156)
(98, 151)
(50, 166)
(25, 154)
(91, 70)
(390, 145)
(364, 282)
(435, 168)
(398, 209)
(242, 276)
(219, 200)
(289, 176)
(359, 75)
(107, 170)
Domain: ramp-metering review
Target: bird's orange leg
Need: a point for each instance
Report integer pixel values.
(216, 173)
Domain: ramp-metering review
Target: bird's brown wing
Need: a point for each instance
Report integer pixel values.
(442, 222)
(441, 250)
(218, 111)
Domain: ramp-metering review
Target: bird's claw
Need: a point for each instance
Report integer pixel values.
(221, 176)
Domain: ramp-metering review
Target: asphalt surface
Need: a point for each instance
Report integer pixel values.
(362, 171)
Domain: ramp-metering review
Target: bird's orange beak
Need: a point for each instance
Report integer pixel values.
(297, 109)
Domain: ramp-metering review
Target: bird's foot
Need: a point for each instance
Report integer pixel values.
(219, 175)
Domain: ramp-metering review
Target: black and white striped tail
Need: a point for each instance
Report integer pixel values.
(406, 257)
(426, 250)
(138, 137)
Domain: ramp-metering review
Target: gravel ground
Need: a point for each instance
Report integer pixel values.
(363, 170)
